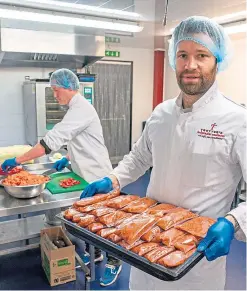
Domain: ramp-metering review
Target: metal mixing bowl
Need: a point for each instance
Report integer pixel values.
(25, 191)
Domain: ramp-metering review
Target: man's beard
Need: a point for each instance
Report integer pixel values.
(201, 87)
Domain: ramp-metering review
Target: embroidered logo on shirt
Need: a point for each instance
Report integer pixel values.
(213, 126)
(211, 133)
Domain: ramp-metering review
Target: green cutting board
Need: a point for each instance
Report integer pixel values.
(54, 187)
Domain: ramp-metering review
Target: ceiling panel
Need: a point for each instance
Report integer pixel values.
(127, 5)
(177, 11)
(116, 4)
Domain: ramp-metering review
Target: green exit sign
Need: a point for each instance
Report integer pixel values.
(112, 39)
(115, 54)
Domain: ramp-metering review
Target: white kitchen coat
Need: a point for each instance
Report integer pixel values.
(198, 157)
(81, 131)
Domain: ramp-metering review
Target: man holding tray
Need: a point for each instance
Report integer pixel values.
(196, 144)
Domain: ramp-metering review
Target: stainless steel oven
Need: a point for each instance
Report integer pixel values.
(41, 109)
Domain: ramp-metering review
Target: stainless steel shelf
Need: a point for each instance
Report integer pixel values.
(19, 249)
(21, 229)
(52, 106)
(53, 120)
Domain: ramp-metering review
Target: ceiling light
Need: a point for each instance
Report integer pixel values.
(236, 28)
(228, 18)
(80, 8)
(230, 29)
(75, 21)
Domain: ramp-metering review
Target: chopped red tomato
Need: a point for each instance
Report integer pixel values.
(11, 172)
(66, 183)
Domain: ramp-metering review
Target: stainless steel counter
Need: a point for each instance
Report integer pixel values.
(24, 229)
(29, 227)
(10, 205)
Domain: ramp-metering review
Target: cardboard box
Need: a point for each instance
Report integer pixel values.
(58, 263)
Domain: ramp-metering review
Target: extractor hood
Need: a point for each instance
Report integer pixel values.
(48, 49)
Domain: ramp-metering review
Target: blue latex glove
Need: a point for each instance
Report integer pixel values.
(61, 164)
(103, 185)
(218, 239)
(9, 164)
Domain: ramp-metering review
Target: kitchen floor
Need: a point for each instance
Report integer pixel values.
(23, 271)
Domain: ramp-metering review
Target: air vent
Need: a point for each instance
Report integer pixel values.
(49, 49)
(43, 57)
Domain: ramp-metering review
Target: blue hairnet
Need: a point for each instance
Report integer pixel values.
(65, 78)
(203, 31)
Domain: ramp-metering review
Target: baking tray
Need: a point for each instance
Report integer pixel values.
(158, 271)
